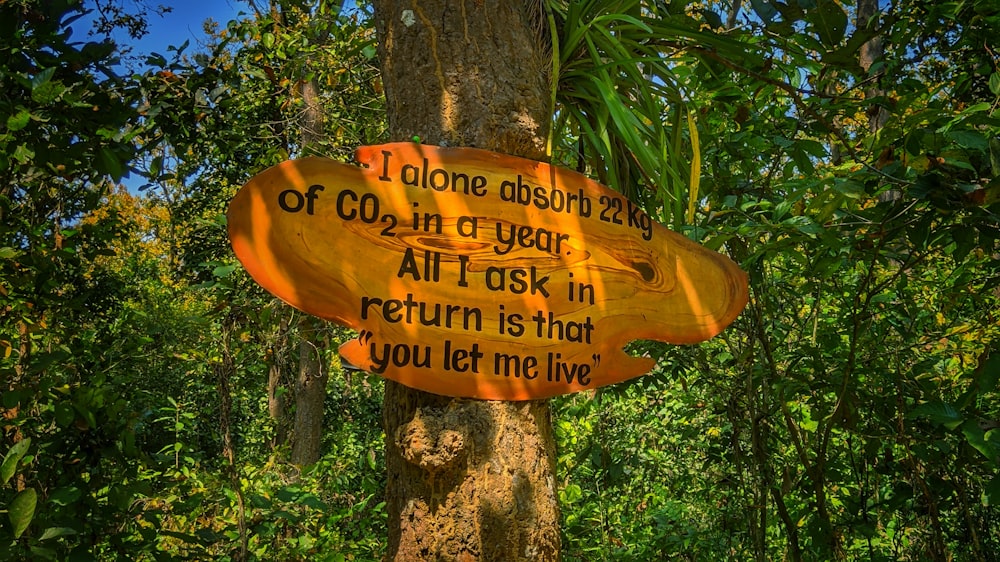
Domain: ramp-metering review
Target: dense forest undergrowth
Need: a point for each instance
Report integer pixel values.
(846, 154)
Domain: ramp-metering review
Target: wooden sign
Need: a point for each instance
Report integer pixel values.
(471, 273)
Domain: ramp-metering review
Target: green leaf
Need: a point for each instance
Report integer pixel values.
(830, 22)
(181, 48)
(977, 438)
(939, 413)
(23, 154)
(190, 539)
(965, 241)
(156, 59)
(19, 120)
(312, 501)
(110, 164)
(13, 456)
(804, 224)
(65, 415)
(764, 9)
(969, 139)
(849, 188)
(267, 40)
(991, 492)
(42, 78)
(65, 496)
(55, 532)
(48, 92)
(21, 510)
(39, 553)
(98, 50)
(288, 493)
(12, 398)
(155, 165)
(571, 493)
(988, 374)
(802, 161)
(224, 270)
(995, 83)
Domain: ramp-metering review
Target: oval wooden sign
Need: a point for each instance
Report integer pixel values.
(476, 274)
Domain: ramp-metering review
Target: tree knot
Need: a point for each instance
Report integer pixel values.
(431, 442)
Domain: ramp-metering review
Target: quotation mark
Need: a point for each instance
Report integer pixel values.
(365, 336)
(597, 359)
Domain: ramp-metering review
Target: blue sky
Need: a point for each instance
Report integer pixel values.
(183, 23)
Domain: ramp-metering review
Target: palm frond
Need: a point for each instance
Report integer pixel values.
(621, 92)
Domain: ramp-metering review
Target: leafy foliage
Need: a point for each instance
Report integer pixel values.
(845, 398)
(851, 412)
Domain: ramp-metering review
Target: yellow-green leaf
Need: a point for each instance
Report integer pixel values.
(21, 510)
(10, 460)
(695, 184)
(19, 120)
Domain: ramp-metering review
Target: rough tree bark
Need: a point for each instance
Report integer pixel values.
(310, 386)
(310, 393)
(871, 52)
(468, 479)
(277, 407)
(734, 13)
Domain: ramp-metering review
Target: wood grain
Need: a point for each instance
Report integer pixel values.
(357, 263)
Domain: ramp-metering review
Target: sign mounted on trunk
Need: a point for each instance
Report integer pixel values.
(471, 273)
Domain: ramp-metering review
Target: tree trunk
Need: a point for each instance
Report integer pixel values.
(468, 479)
(277, 383)
(224, 371)
(310, 388)
(310, 394)
(734, 13)
(870, 53)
